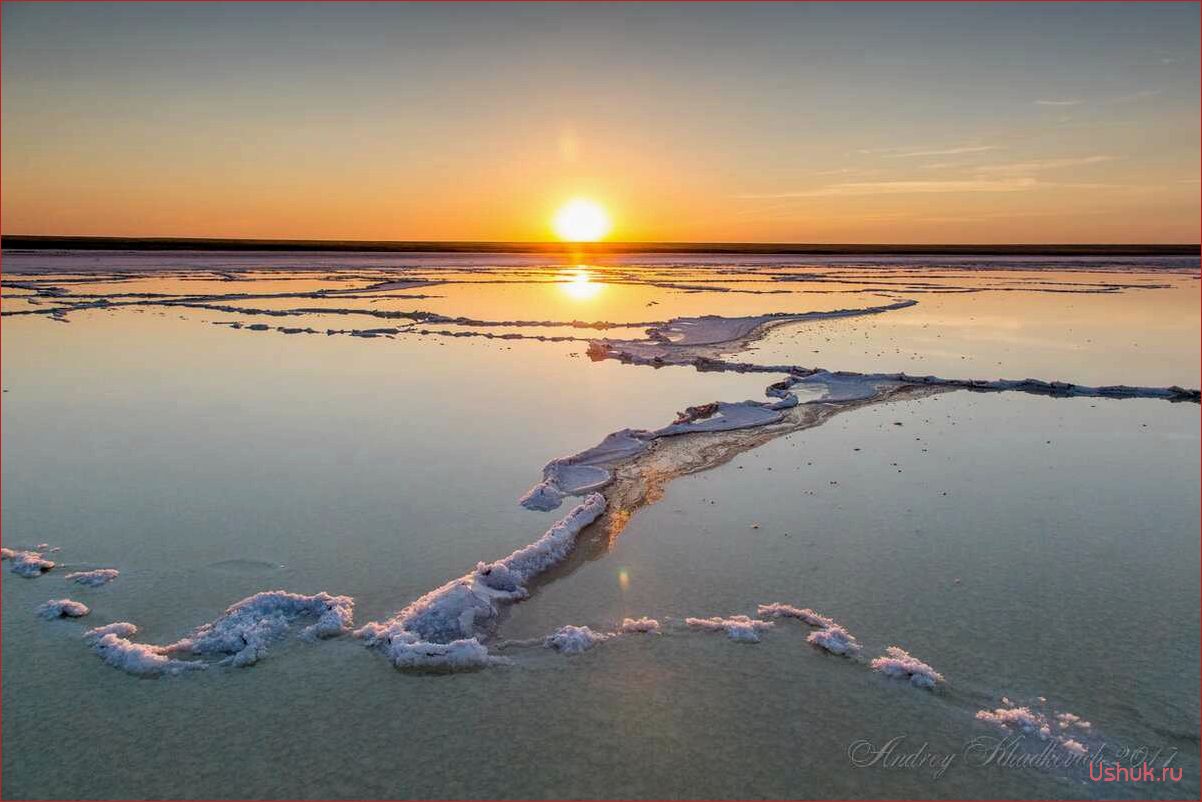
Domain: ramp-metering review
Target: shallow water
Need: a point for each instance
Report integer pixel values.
(208, 463)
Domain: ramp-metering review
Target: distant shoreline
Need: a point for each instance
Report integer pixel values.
(40, 243)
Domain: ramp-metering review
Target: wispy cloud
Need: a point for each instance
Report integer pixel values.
(908, 187)
(1039, 165)
(1059, 102)
(1134, 96)
(957, 151)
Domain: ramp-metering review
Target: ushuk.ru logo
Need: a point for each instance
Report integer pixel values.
(1143, 773)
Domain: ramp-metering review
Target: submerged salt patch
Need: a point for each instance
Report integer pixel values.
(94, 579)
(644, 624)
(420, 636)
(738, 627)
(26, 563)
(574, 640)
(897, 662)
(63, 608)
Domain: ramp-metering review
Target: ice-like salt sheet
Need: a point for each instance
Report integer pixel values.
(63, 608)
(26, 563)
(574, 640)
(897, 662)
(644, 624)
(737, 628)
(93, 579)
(721, 416)
(586, 471)
(422, 635)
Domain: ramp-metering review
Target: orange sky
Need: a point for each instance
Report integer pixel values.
(807, 123)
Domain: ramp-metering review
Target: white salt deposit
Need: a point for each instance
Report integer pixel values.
(830, 636)
(462, 608)
(63, 608)
(897, 662)
(1066, 720)
(738, 627)
(139, 659)
(93, 579)
(1029, 721)
(647, 625)
(26, 563)
(835, 639)
(121, 629)
(573, 640)
(586, 471)
(1074, 746)
(244, 631)
(721, 416)
(778, 610)
(405, 650)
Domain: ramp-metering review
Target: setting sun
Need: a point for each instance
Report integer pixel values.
(581, 220)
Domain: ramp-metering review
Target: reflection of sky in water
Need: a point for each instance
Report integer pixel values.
(198, 459)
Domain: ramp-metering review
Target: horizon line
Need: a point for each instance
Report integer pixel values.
(94, 242)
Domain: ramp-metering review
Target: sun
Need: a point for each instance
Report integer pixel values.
(581, 220)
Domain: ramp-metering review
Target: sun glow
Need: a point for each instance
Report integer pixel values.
(579, 285)
(581, 220)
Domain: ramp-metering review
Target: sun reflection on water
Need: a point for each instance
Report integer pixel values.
(579, 285)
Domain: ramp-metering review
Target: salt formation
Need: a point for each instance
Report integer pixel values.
(111, 643)
(443, 628)
(574, 640)
(897, 662)
(1023, 719)
(738, 628)
(94, 579)
(835, 640)
(244, 631)
(26, 563)
(830, 635)
(778, 610)
(586, 471)
(647, 625)
(63, 608)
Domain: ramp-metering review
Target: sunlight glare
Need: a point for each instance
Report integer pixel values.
(581, 220)
(580, 285)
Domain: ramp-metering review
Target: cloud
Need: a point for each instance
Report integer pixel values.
(1134, 96)
(1059, 102)
(1038, 165)
(946, 151)
(909, 187)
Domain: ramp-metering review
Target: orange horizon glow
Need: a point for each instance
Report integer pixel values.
(690, 122)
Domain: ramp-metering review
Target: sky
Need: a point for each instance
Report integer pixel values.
(807, 122)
